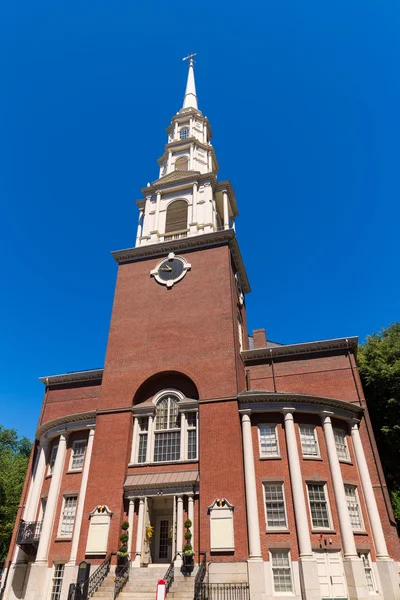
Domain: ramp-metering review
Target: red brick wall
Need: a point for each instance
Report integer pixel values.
(68, 399)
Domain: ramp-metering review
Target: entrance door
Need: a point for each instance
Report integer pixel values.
(331, 575)
(163, 550)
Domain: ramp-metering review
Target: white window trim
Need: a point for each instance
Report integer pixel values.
(292, 593)
(55, 564)
(267, 527)
(314, 428)
(328, 506)
(374, 579)
(59, 534)
(267, 456)
(362, 528)
(49, 468)
(71, 459)
(348, 459)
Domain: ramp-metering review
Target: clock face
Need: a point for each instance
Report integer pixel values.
(170, 269)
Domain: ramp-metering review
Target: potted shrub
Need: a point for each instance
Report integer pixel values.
(123, 554)
(188, 552)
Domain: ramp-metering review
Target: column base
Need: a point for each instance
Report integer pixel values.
(70, 574)
(256, 575)
(16, 580)
(37, 584)
(309, 581)
(137, 561)
(389, 578)
(355, 577)
(178, 562)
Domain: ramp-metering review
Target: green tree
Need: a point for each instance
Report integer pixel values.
(379, 366)
(14, 458)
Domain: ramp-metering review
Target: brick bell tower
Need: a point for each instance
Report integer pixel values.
(178, 323)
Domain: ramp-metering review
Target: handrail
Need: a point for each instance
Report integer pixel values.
(169, 575)
(92, 583)
(200, 575)
(122, 578)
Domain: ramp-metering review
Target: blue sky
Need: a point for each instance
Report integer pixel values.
(303, 98)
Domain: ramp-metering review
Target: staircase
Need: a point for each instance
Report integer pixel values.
(142, 585)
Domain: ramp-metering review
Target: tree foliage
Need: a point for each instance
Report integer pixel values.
(14, 458)
(379, 366)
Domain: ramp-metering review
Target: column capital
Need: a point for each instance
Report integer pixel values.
(326, 416)
(246, 412)
(44, 443)
(141, 499)
(288, 410)
(131, 501)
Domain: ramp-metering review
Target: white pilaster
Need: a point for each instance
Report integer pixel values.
(157, 213)
(307, 562)
(81, 500)
(139, 227)
(134, 439)
(194, 204)
(131, 517)
(191, 158)
(179, 531)
(149, 449)
(37, 482)
(176, 130)
(226, 210)
(139, 534)
(253, 524)
(169, 163)
(183, 436)
(48, 520)
(209, 158)
(191, 516)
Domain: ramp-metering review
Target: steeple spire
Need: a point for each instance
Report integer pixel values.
(190, 99)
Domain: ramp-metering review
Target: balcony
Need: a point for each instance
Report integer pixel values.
(29, 535)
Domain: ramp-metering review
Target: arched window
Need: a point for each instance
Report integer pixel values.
(182, 164)
(184, 133)
(177, 216)
(167, 434)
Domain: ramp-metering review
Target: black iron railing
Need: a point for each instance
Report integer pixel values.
(122, 577)
(87, 588)
(169, 576)
(200, 575)
(29, 532)
(224, 591)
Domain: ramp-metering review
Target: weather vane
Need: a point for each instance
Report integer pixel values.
(190, 56)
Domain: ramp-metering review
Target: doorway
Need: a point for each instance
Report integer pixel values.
(162, 518)
(331, 575)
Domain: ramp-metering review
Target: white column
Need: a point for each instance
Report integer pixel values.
(191, 515)
(47, 525)
(139, 227)
(194, 203)
(179, 530)
(131, 516)
(191, 158)
(157, 213)
(209, 162)
(37, 482)
(370, 500)
(349, 545)
(149, 450)
(81, 500)
(183, 436)
(134, 439)
(253, 524)
(139, 533)
(169, 161)
(296, 479)
(176, 130)
(226, 209)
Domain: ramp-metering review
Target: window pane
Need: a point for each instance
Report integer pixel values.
(68, 517)
(167, 414)
(78, 450)
(192, 444)
(53, 458)
(191, 418)
(281, 572)
(368, 570)
(184, 133)
(268, 440)
(318, 506)
(57, 582)
(353, 507)
(275, 505)
(309, 445)
(167, 446)
(341, 446)
(142, 451)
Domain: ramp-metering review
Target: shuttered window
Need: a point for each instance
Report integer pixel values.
(182, 164)
(177, 215)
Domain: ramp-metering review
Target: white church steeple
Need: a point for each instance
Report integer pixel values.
(186, 200)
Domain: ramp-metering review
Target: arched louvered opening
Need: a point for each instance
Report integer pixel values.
(177, 216)
(182, 164)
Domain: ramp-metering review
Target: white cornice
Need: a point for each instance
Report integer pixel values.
(205, 240)
(175, 178)
(74, 377)
(257, 354)
(68, 422)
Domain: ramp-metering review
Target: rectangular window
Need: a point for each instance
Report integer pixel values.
(191, 422)
(53, 457)
(341, 444)
(275, 506)
(78, 454)
(309, 443)
(68, 516)
(281, 571)
(365, 557)
(43, 505)
(268, 440)
(167, 446)
(353, 507)
(58, 575)
(143, 432)
(318, 506)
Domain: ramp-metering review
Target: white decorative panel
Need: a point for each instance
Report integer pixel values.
(99, 529)
(221, 526)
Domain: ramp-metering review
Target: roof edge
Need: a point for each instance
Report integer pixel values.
(302, 348)
(73, 377)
